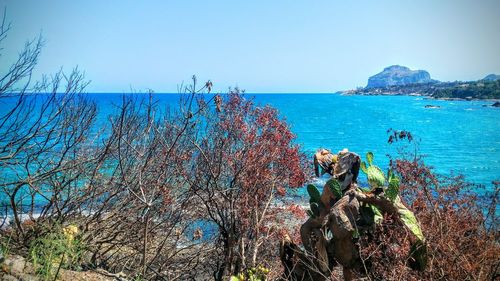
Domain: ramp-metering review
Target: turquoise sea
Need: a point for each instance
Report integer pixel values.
(460, 137)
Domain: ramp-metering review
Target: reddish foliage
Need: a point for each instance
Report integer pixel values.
(297, 211)
(385, 252)
(460, 226)
(246, 162)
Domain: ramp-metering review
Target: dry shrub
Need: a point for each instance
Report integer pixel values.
(385, 251)
(459, 221)
(244, 164)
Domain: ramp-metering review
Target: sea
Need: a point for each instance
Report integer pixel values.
(455, 137)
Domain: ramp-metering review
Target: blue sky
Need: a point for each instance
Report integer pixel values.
(260, 46)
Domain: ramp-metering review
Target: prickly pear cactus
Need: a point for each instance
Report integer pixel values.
(376, 178)
(314, 193)
(314, 201)
(375, 175)
(392, 190)
(335, 188)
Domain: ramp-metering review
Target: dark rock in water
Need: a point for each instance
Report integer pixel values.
(432, 106)
(496, 104)
(397, 75)
(492, 77)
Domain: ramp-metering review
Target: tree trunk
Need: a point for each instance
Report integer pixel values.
(255, 253)
(17, 220)
(145, 246)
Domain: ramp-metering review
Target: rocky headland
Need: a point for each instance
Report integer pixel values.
(492, 77)
(397, 75)
(400, 80)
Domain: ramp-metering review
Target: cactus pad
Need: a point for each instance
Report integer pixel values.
(314, 193)
(335, 188)
(375, 176)
(393, 189)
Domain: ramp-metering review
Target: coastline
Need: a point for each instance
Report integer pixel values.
(427, 97)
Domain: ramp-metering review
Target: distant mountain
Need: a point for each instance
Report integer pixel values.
(460, 90)
(400, 80)
(397, 75)
(492, 77)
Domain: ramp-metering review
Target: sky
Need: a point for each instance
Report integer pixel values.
(278, 46)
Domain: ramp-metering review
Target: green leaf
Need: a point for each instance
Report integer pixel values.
(314, 193)
(393, 189)
(377, 215)
(363, 167)
(376, 177)
(369, 157)
(335, 188)
(409, 219)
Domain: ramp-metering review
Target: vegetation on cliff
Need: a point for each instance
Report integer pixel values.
(400, 80)
(481, 89)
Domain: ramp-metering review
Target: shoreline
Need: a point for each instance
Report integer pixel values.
(427, 97)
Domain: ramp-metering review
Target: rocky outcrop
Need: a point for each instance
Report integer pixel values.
(492, 77)
(16, 268)
(397, 75)
(432, 106)
(340, 215)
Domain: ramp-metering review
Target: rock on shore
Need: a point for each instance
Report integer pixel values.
(16, 268)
